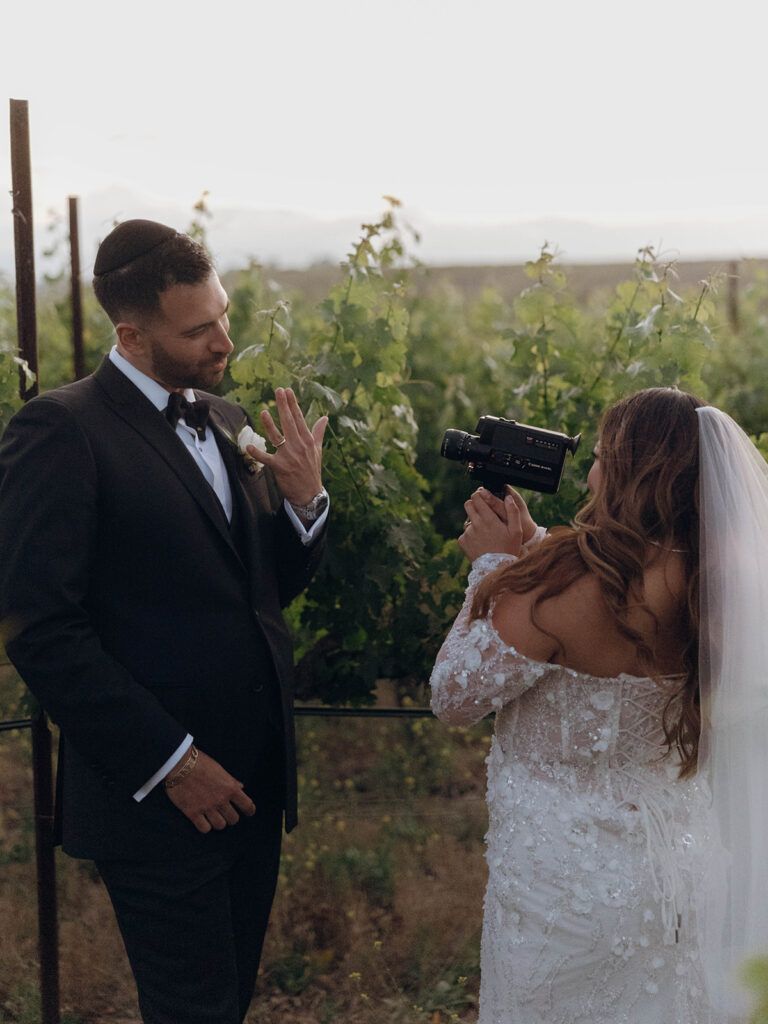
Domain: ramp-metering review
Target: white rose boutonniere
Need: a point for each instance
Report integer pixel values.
(249, 436)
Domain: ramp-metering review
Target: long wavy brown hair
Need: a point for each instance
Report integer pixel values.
(648, 495)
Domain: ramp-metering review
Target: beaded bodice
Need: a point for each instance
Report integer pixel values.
(593, 844)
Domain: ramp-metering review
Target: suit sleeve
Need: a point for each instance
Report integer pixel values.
(48, 522)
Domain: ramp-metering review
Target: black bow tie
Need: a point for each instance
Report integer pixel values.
(194, 414)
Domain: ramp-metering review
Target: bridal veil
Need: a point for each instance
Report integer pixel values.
(733, 668)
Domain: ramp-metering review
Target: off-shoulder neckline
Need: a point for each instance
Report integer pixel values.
(574, 671)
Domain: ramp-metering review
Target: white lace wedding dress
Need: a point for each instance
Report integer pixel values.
(594, 847)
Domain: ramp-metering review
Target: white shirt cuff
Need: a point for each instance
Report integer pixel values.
(306, 536)
(150, 784)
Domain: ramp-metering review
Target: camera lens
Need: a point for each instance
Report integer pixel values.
(455, 444)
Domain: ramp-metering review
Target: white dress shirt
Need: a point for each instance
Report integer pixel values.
(210, 463)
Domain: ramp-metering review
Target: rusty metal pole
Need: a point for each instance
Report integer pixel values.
(78, 350)
(47, 903)
(47, 913)
(21, 178)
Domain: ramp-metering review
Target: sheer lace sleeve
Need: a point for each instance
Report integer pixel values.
(538, 536)
(476, 672)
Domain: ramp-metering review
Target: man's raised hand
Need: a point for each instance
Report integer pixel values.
(297, 459)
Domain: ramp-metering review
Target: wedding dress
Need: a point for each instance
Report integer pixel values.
(595, 849)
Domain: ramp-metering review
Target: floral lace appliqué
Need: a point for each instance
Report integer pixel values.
(594, 848)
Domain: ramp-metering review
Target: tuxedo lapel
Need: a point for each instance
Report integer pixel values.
(241, 485)
(148, 422)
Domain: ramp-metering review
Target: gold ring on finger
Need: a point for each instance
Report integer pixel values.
(281, 442)
(467, 523)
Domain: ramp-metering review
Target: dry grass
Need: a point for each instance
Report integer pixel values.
(93, 970)
(379, 904)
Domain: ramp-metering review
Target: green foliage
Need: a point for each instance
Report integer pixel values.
(551, 363)
(11, 366)
(756, 977)
(394, 363)
(738, 365)
(363, 617)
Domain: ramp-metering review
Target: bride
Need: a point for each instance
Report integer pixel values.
(626, 660)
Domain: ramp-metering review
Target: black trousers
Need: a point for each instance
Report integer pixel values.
(194, 930)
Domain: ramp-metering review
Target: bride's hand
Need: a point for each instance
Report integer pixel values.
(494, 526)
(526, 519)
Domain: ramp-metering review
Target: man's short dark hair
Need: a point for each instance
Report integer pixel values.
(135, 288)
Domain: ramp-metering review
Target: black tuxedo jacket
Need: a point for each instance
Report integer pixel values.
(132, 612)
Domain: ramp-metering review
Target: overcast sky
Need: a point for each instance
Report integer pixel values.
(474, 112)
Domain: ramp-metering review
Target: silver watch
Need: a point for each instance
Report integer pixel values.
(314, 509)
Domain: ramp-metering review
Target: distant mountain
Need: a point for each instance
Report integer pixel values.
(583, 241)
(285, 238)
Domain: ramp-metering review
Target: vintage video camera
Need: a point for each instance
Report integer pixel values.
(507, 452)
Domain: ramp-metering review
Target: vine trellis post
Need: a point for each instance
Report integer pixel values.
(76, 291)
(26, 320)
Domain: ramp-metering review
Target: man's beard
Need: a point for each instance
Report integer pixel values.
(175, 374)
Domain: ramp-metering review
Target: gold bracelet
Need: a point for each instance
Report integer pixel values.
(185, 770)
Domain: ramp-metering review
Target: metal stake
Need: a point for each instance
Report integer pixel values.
(78, 350)
(21, 177)
(41, 738)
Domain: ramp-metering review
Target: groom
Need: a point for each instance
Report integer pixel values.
(144, 562)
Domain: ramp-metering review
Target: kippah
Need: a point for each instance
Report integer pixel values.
(128, 241)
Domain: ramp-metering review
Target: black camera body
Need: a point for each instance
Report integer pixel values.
(507, 452)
